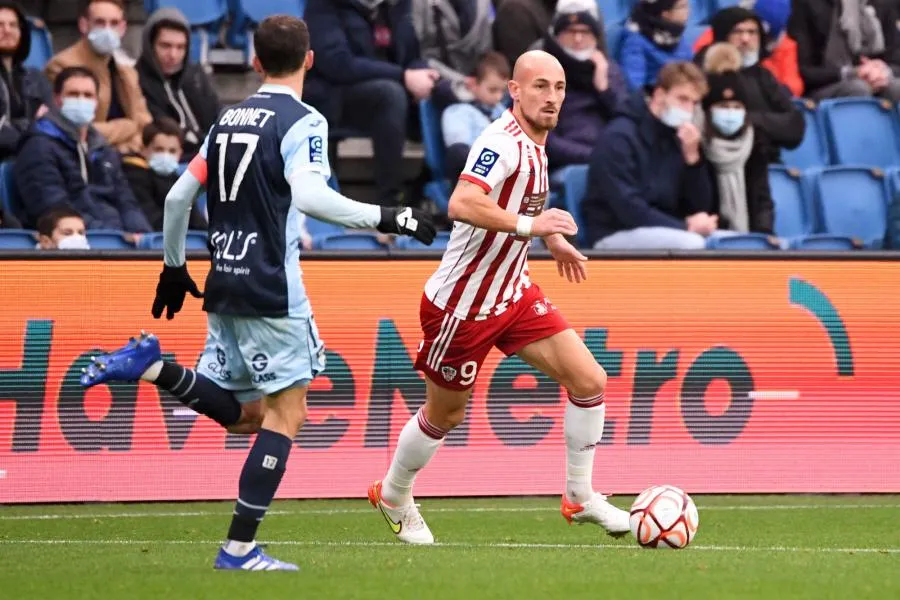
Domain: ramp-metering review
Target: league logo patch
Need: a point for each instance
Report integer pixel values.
(485, 162)
(449, 373)
(315, 150)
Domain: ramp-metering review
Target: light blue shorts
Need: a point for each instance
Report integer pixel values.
(259, 356)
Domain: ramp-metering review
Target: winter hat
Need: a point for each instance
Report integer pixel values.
(774, 15)
(576, 12)
(656, 7)
(724, 86)
(724, 21)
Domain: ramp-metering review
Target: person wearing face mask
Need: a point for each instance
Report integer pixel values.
(777, 122)
(648, 184)
(62, 228)
(24, 92)
(781, 48)
(121, 108)
(175, 88)
(153, 174)
(64, 161)
(594, 82)
(653, 38)
(740, 171)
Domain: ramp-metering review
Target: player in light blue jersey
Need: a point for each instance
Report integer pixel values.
(264, 161)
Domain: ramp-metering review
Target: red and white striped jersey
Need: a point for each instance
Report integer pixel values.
(482, 271)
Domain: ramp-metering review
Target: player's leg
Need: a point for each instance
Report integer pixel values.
(564, 357)
(141, 359)
(282, 357)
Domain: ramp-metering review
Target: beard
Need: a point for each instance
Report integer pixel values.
(542, 122)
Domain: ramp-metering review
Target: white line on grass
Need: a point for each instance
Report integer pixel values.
(510, 545)
(444, 509)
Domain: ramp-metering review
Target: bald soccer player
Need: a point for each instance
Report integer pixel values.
(481, 297)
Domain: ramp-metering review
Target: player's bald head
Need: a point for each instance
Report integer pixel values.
(537, 63)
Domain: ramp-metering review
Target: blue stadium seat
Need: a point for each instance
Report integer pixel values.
(793, 209)
(893, 184)
(9, 197)
(862, 131)
(693, 32)
(437, 190)
(743, 241)
(813, 150)
(614, 32)
(700, 11)
(107, 239)
(573, 181)
(196, 240)
(852, 203)
(439, 245)
(17, 239)
(318, 229)
(823, 241)
(41, 45)
(350, 241)
(614, 11)
(199, 13)
(252, 12)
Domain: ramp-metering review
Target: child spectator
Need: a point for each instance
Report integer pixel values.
(152, 175)
(462, 123)
(62, 228)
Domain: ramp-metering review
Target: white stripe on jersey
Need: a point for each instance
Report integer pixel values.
(471, 281)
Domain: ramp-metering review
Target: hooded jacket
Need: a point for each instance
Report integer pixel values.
(585, 111)
(776, 120)
(123, 133)
(54, 168)
(188, 97)
(637, 176)
(150, 189)
(29, 86)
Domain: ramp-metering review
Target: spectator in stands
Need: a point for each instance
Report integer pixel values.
(462, 123)
(776, 121)
(847, 47)
(453, 36)
(366, 73)
(740, 170)
(519, 23)
(121, 109)
(24, 93)
(152, 175)
(779, 51)
(648, 184)
(62, 228)
(64, 161)
(173, 87)
(594, 83)
(654, 38)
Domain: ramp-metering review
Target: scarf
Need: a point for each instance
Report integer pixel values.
(728, 156)
(666, 35)
(861, 27)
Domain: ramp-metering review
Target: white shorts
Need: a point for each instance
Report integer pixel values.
(258, 356)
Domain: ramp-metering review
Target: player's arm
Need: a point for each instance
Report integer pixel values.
(304, 150)
(492, 159)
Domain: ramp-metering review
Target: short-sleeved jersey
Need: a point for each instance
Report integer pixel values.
(483, 271)
(250, 153)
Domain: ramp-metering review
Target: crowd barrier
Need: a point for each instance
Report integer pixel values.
(725, 375)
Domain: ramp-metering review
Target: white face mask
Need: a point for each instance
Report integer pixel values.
(104, 40)
(75, 241)
(582, 55)
(675, 117)
(750, 58)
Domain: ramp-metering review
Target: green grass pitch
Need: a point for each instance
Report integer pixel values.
(770, 547)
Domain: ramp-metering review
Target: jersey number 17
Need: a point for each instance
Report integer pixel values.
(249, 141)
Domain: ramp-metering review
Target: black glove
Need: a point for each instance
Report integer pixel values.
(174, 283)
(407, 221)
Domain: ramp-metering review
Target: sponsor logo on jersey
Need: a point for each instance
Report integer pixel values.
(220, 372)
(316, 145)
(485, 162)
(533, 205)
(540, 308)
(220, 355)
(449, 373)
(259, 362)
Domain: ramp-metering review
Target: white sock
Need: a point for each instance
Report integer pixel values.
(583, 427)
(418, 442)
(239, 548)
(152, 373)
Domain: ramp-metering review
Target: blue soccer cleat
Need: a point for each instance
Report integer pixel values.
(256, 560)
(127, 363)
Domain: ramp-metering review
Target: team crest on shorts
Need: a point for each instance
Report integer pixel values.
(540, 308)
(449, 373)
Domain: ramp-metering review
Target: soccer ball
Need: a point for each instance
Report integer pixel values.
(663, 516)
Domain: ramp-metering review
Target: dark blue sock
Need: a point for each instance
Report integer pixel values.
(259, 481)
(199, 394)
